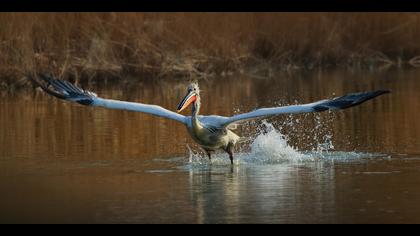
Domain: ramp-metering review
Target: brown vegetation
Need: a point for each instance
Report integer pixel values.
(114, 45)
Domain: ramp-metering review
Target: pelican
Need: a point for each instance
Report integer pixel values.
(211, 132)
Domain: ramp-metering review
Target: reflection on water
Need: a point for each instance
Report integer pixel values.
(62, 162)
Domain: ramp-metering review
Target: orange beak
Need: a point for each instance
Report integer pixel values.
(188, 99)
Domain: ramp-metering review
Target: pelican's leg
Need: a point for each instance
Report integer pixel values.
(208, 154)
(229, 150)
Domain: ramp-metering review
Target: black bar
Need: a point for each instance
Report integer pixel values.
(210, 5)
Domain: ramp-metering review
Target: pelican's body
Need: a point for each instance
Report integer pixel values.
(210, 138)
(210, 132)
(213, 140)
(204, 129)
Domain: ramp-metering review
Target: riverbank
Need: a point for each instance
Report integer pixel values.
(101, 46)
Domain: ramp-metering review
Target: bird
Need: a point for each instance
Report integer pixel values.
(211, 132)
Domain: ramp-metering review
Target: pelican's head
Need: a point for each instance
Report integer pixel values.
(193, 93)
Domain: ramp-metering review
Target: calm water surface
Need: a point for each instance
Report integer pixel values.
(65, 163)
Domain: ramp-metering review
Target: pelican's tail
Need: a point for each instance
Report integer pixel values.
(63, 89)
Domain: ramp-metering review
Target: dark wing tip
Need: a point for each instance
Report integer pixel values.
(62, 89)
(380, 92)
(44, 85)
(349, 100)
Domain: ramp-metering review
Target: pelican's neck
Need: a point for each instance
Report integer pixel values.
(195, 110)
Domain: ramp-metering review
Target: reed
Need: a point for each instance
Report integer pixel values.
(95, 46)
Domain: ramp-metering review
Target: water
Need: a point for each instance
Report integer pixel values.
(65, 163)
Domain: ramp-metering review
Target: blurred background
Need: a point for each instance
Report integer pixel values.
(95, 46)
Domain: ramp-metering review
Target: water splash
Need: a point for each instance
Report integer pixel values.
(270, 145)
(267, 146)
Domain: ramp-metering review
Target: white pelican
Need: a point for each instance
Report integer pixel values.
(210, 132)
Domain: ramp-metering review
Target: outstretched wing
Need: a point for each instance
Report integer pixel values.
(338, 103)
(67, 91)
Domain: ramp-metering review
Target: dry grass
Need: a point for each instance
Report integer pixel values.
(83, 46)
